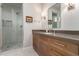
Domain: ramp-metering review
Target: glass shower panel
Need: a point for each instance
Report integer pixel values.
(7, 33)
(12, 34)
(18, 28)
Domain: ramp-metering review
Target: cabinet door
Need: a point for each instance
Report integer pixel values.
(35, 41)
(43, 48)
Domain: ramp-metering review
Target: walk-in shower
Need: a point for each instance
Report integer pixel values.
(12, 25)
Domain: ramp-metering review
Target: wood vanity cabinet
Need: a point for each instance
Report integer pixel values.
(51, 46)
(35, 42)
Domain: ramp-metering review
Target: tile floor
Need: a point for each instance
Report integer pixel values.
(28, 51)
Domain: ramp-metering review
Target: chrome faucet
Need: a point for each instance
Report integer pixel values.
(46, 30)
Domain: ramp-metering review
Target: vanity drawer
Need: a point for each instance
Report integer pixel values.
(57, 43)
(68, 46)
(57, 51)
(53, 52)
(72, 48)
(63, 45)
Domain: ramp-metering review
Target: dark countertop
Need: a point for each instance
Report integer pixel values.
(67, 37)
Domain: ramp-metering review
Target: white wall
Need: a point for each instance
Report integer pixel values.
(70, 19)
(34, 10)
(0, 28)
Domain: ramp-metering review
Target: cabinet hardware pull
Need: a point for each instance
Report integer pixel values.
(59, 44)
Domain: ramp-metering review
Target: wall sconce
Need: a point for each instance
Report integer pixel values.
(71, 6)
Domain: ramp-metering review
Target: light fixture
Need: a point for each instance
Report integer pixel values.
(71, 6)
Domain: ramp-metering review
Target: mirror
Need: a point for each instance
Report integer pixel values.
(54, 15)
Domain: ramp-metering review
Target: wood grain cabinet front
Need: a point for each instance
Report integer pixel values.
(35, 42)
(43, 48)
(51, 46)
(65, 47)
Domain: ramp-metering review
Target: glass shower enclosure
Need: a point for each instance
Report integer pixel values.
(12, 26)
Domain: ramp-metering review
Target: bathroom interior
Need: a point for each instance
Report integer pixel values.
(39, 29)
